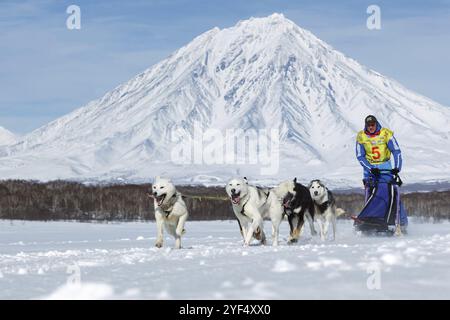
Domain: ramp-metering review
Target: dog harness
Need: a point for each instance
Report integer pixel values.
(325, 205)
(167, 209)
(243, 207)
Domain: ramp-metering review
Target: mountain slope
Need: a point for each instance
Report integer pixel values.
(7, 137)
(261, 73)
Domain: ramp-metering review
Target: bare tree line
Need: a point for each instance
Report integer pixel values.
(63, 200)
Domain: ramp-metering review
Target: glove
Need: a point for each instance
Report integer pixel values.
(375, 171)
(395, 171)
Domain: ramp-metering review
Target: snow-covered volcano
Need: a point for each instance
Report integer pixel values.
(261, 73)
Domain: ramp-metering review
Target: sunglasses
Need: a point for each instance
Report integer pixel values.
(371, 124)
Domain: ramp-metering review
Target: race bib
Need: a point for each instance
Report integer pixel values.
(376, 147)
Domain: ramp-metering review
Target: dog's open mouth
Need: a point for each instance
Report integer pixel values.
(236, 198)
(160, 199)
(287, 200)
(287, 203)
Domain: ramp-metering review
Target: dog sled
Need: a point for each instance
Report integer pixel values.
(383, 212)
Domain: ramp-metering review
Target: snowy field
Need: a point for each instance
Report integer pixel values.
(118, 261)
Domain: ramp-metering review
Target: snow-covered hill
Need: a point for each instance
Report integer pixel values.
(261, 73)
(7, 137)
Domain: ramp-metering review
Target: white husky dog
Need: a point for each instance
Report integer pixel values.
(170, 210)
(251, 205)
(326, 211)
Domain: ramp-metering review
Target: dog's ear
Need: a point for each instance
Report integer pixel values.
(156, 179)
(295, 180)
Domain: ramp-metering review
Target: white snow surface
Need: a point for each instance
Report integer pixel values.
(119, 261)
(7, 137)
(262, 73)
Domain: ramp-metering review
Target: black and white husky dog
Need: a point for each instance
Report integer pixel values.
(326, 211)
(298, 205)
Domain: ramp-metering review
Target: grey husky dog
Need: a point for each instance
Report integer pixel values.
(251, 205)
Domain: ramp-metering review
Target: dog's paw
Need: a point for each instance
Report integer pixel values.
(159, 244)
(292, 241)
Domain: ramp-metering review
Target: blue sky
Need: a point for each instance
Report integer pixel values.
(47, 71)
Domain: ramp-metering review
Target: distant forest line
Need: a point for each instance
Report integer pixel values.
(64, 200)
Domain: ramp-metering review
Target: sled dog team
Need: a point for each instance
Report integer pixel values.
(251, 205)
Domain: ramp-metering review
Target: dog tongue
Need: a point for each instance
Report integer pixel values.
(236, 199)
